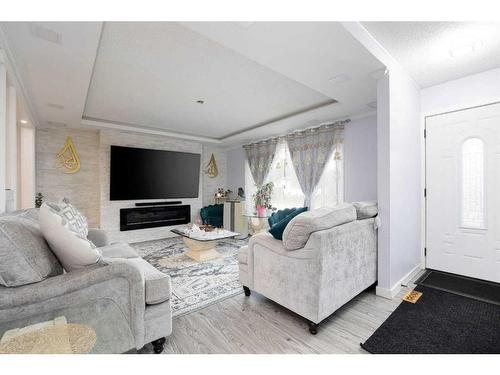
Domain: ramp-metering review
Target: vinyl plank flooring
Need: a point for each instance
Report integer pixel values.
(255, 324)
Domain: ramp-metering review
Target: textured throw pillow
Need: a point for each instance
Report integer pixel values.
(72, 249)
(277, 229)
(300, 228)
(25, 256)
(76, 221)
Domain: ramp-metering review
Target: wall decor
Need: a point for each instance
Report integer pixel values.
(68, 158)
(211, 170)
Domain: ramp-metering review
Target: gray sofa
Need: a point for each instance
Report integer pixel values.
(123, 298)
(327, 257)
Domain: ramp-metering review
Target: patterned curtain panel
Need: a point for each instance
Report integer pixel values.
(310, 150)
(260, 156)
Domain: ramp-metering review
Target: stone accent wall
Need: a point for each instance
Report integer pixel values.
(88, 189)
(210, 185)
(110, 210)
(81, 188)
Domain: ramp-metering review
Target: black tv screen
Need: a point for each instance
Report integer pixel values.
(138, 173)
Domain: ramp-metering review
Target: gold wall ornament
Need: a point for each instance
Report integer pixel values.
(211, 168)
(68, 158)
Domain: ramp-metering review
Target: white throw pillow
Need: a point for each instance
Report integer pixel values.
(72, 249)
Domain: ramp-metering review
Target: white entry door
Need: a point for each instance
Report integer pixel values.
(463, 192)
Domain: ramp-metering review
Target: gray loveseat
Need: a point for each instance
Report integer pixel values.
(326, 258)
(123, 298)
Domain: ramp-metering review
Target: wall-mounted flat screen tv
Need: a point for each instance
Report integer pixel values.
(138, 173)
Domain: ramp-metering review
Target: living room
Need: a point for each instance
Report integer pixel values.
(185, 187)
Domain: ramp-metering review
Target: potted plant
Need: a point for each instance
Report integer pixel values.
(262, 199)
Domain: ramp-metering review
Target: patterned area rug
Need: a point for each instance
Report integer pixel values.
(195, 285)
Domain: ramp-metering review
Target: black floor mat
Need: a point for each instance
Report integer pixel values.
(464, 286)
(439, 323)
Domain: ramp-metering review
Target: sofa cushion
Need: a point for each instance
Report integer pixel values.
(297, 232)
(73, 250)
(365, 209)
(25, 256)
(118, 250)
(277, 229)
(156, 283)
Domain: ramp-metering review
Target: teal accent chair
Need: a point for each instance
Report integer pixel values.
(213, 215)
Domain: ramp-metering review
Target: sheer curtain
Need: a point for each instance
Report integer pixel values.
(287, 192)
(311, 150)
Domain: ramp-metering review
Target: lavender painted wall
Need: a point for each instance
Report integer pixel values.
(360, 160)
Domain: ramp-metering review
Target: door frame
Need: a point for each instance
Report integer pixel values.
(423, 178)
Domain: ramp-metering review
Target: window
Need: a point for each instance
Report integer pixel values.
(287, 191)
(330, 189)
(473, 183)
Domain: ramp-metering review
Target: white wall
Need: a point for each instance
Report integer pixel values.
(399, 180)
(470, 91)
(11, 146)
(27, 167)
(3, 142)
(360, 160)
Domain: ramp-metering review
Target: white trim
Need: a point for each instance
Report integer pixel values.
(362, 35)
(136, 129)
(8, 59)
(396, 288)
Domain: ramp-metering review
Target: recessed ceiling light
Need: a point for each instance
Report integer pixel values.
(339, 78)
(200, 101)
(463, 48)
(23, 121)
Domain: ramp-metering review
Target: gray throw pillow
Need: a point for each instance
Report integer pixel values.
(25, 256)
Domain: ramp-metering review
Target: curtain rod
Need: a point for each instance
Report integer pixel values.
(312, 129)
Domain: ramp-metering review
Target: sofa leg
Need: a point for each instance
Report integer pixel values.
(313, 328)
(246, 290)
(158, 345)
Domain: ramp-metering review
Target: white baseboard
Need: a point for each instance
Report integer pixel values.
(394, 290)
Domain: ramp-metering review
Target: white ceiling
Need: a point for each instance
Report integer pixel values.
(425, 49)
(257, 79)
(152, 74)
(55, 75)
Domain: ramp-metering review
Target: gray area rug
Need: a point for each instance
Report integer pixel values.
(195, 285)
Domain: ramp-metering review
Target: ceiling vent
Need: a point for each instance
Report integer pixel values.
(54, 105)
(245, 25)
(45, 33)
(56, 123)
(340, 78)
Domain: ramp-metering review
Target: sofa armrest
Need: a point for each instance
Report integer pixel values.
(98, 237)
(71, 282)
